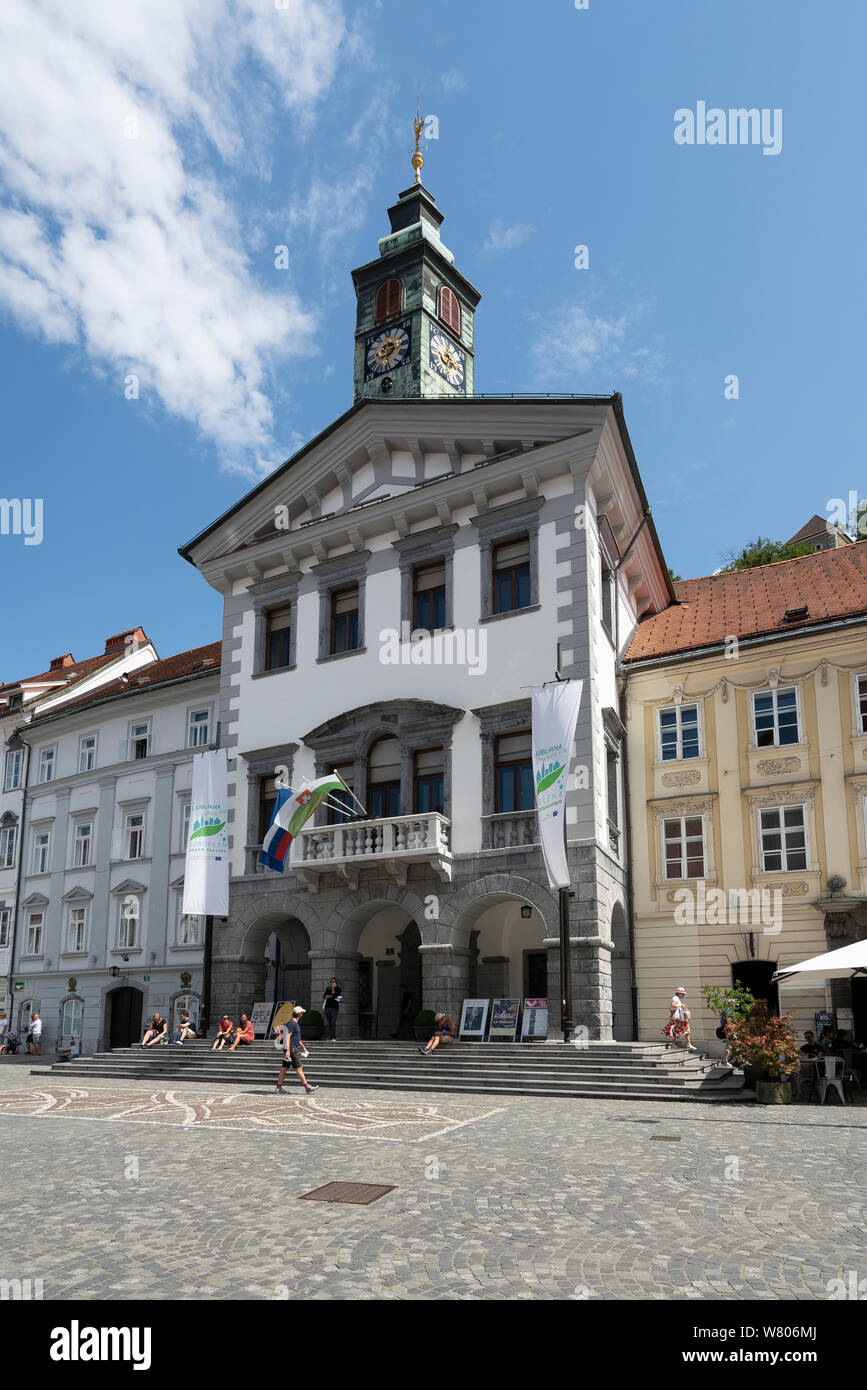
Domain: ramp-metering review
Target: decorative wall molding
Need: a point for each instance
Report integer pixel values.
(681, 779)
(770, 766)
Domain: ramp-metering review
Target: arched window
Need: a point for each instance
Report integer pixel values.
(383, 776)
(450, 309)
(389, 298)
(190, 1002)
(70, 1019)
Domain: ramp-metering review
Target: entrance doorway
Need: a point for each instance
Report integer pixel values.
(755, 975)
(535, 974)
(859, 1008)
(124, 1020)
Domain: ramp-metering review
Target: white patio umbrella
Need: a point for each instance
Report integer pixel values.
(833, 965)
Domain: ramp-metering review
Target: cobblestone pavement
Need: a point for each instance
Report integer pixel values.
(109, 1188)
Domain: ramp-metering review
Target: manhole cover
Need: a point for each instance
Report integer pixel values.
(665, 1138)
(359, 1194)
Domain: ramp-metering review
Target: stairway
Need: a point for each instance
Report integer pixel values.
(621, 1071)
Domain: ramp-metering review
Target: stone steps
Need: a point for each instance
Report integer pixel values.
(638, 1071)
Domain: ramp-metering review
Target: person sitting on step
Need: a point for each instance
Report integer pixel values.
(443, 1033)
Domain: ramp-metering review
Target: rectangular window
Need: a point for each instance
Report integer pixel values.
(5, 926)
(76, 935)
(140, 739)
(611, 761)
(198, 733)
(185, 826)
(861, 699)
(683, 845)
(47, 760)
(348, 808)
(34, 934)
(511, 586)
(429, 597)
(513, 773)
(82, 845)
(87, 753)
(189, 928)
(344, 620)
(127, 932)
(7, 846)
(678, 733)
(775, 716)
(70, 1023)
(606, 598)
(133, 835)
(429, 780)
(267, 802)
(41, 842)
(12, 776)
(783, 835)
(278, 638)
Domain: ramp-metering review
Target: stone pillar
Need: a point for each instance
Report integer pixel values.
(446, 971)
(387, 1001)
(344, 966)
(591, 987)
(237, 983)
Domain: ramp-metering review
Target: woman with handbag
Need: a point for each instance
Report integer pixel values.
(677, 1026)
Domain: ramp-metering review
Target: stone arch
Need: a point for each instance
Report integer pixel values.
(623, 1023)
(240, 969)
(344, 934)
(461, 909)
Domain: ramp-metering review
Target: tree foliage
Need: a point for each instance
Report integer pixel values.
(763, 551)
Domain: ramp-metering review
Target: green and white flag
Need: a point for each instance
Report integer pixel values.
(206, 873)
(555, 714)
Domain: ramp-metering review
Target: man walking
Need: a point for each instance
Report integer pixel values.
(330, 1006)
(294, 1055)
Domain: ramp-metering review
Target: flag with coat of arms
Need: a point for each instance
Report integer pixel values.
(292, 810)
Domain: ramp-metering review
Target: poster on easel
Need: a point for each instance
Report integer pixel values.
(504, 1020)
(282, 1014)
(474, 1014)
(535, 1021)
(260, 1017)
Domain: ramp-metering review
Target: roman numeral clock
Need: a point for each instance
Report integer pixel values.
(447, 359)
(385, 351)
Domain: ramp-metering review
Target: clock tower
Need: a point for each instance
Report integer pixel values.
(414, 321)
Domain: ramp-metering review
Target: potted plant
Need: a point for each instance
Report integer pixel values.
(767, 1044)
(311, 1025)
(424, 1024)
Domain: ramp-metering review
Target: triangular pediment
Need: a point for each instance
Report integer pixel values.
(35, 900)
(76, 895)
(129, 885)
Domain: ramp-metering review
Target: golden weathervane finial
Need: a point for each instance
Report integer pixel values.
(418, 157)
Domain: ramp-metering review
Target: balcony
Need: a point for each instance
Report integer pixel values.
(389, 845)
(509, 830)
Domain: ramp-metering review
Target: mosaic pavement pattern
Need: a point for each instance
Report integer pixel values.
(290, 1113)
(113, 1192)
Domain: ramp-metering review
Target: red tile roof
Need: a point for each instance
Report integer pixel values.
(751, 603)
(63, 674)
(199, 661)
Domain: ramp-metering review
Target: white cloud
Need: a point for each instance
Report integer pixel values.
(502, 238)
(130, 248)
(574, 341)
(453, 81)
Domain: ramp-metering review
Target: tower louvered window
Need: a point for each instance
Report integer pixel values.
(388, 299)
(450, 309)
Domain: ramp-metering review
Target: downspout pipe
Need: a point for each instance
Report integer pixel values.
(25, 777)
(627, 816)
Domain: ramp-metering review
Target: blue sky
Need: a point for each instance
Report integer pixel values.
(154, 156)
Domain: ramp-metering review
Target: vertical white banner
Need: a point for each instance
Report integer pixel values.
(555, 714)
(206, 873)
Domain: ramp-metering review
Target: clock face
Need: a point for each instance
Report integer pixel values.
(448, 359)
(386, 350)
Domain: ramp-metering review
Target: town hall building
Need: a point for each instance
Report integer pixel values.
(391, 595)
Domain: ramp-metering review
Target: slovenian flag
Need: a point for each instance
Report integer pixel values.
(292, 810)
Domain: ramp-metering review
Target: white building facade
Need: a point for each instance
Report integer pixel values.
(100, 939)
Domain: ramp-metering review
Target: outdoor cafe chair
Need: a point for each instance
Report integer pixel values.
(829, 1073)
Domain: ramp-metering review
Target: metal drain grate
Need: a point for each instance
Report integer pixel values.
(358, 1194)
(666, 1138)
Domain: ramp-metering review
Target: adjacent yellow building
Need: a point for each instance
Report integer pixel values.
(746, 715)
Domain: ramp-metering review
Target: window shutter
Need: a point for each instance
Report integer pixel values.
(450, 309)
(389, 297)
